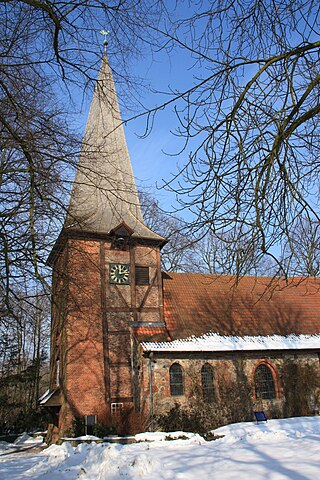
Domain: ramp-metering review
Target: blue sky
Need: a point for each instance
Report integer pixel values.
(150, 164)
(149, 156)
(154, 158)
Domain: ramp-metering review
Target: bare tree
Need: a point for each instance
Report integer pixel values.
(226, 255)
(210, 254)
(177, 253)
(249, 120)
(304, 241)
(50, 50)
(24, 345)
(35, 142)
(249, 116)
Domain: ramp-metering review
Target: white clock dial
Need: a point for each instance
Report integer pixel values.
(119, 273)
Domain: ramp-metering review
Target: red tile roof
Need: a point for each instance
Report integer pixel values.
(195, 304)
(152, 334)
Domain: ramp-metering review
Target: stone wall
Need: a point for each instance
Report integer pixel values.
(235, 396)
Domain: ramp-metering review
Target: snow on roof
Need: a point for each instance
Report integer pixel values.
(213, 342)
(45, 396)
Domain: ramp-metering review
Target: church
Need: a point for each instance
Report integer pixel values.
(129, 342)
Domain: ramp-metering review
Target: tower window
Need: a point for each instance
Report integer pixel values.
(264, 383)
(207, 383)
(176, 379)
(116, 408)
(142, 276)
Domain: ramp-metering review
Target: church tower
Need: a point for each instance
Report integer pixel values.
(106, 278)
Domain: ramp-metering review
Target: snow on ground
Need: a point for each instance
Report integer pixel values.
(162, 436)
(26, 440)
(83, 438)
(276, 450)
(22, 443)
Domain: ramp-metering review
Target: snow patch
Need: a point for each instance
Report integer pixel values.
(281, 429)
(163, 436)
(278, 449)
(111, 463)
(25, 439)
(82, 438)
(4, 446)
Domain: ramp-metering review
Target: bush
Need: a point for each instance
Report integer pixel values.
(26, 421)
(77, 428)
(101, 431)
(301, 385)
(178, 418)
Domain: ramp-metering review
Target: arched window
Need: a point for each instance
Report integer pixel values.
(207, 383)
(176, 379)
(264, 383)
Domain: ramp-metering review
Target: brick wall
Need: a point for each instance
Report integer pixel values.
(91, 327)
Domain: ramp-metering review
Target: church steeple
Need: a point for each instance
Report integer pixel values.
(104, 194)
(106, 283)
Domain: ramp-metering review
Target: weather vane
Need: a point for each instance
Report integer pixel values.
(105, 33)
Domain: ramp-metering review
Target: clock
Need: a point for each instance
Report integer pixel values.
(119, 273)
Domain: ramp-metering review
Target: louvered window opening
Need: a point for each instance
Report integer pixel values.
(142, 276)
(176, 380)
(207, 383)
(264, 383)
(89, 422)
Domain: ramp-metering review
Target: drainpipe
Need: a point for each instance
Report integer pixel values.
(151, 390)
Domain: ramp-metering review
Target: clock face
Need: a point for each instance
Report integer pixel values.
(119, 273)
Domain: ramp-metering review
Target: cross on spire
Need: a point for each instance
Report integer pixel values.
(105, 33)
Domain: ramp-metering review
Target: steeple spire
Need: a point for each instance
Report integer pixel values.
(104, 193)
